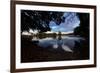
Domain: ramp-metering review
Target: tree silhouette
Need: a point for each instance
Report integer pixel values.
(39, 20)
(83, 29)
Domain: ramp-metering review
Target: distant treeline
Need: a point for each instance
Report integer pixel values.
(44, 35)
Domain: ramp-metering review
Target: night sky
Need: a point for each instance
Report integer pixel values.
(71, 22)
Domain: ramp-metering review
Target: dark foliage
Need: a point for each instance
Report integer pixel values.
(83, 29)
(39, 20)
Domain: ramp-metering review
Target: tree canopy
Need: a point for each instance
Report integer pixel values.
(39, 20)
(83, 29)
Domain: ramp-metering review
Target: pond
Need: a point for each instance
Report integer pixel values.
(62, 43)
(65, 47)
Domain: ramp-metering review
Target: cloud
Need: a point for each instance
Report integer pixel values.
(69, 24)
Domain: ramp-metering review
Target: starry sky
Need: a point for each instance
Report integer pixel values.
(71, 21)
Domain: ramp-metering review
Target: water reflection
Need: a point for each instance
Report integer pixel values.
(54, 48)
(60, 43)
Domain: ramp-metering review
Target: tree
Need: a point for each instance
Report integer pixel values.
(39, 20)
(83, 29)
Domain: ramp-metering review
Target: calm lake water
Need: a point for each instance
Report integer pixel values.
(64, 43)
(54, 48)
